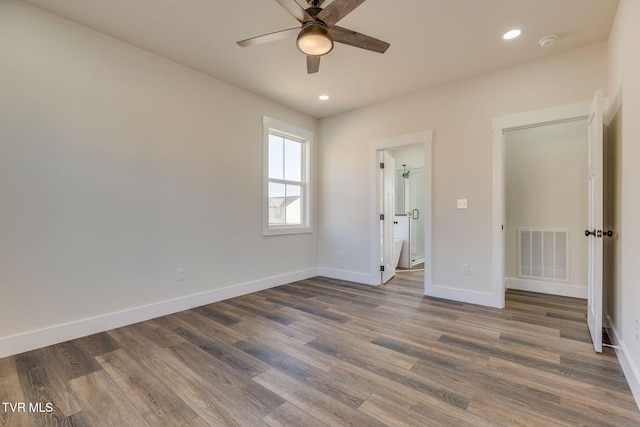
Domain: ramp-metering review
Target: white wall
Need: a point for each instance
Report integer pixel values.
(623, 308)
(461, 115)
(545, 187)
(410, 155)
(117, 167)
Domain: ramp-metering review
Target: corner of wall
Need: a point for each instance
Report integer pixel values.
(630, 370)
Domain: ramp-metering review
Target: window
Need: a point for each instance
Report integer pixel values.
(287, 171)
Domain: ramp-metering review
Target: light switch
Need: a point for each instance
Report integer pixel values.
(462, 203)
(464, 269)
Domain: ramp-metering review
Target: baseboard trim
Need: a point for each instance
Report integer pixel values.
(553, 288)
(463, 295)
(350, 276)
(631, 371)
(31, 340)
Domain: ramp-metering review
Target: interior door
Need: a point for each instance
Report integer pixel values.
(595, 218)
(387, 209)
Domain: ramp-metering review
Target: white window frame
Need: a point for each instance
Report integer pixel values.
(270, 125)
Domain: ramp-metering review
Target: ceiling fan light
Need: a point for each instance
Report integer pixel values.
(314, 39)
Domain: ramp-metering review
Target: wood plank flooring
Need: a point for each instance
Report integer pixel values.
(323, 352)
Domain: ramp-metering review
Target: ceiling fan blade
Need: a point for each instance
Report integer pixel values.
(337, 10)
(295, 10)
(352, 38)
(313, 64)
(266, 38)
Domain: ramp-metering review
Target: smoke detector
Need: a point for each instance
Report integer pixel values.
(547, 41)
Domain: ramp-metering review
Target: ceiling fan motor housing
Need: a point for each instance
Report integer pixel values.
(313, 12)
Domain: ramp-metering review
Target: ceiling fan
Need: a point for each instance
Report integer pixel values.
(318, 31)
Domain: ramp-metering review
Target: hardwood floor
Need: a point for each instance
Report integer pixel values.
(326, 352)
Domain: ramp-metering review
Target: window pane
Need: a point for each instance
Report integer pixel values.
(292, 160)
(294, 190)
(277, 190)
(276, 157)
(277, 203)
(287, 202)
(294, 205)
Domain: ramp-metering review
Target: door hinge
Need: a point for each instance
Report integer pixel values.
(381, 165)
(381, 217)
(382, 268)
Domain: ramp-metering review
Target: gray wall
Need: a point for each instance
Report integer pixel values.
(117, 167)
(623, 140)
(460, 114)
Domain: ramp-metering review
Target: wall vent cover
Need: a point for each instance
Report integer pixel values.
(543, 253)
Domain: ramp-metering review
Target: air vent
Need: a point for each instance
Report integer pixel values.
(543, 254)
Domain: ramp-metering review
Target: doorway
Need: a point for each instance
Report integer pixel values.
(409, 206)
(592, 112)
(545, 215)
(501, 126)
(379, 259)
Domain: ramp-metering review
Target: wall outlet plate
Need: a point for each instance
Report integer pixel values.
(462, 204)
(179, 274)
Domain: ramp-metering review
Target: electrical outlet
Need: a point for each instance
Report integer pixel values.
(638, 329)
(464, 269)
(462, 204)
(341, 254)
(179, 274)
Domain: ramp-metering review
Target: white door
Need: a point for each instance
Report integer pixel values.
(594, 228)
(386, 197)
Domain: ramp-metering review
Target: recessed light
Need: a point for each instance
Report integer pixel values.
(323, 97)
(511, 34)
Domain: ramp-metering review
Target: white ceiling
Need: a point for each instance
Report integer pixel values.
(432, 42)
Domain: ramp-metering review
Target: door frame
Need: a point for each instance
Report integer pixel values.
(426, 138)
(547, 116)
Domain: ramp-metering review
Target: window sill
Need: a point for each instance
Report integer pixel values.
(282, 231)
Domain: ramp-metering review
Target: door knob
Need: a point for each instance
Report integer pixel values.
(598, 233)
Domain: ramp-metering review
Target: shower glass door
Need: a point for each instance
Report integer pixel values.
(410, 202)
(416, 204)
